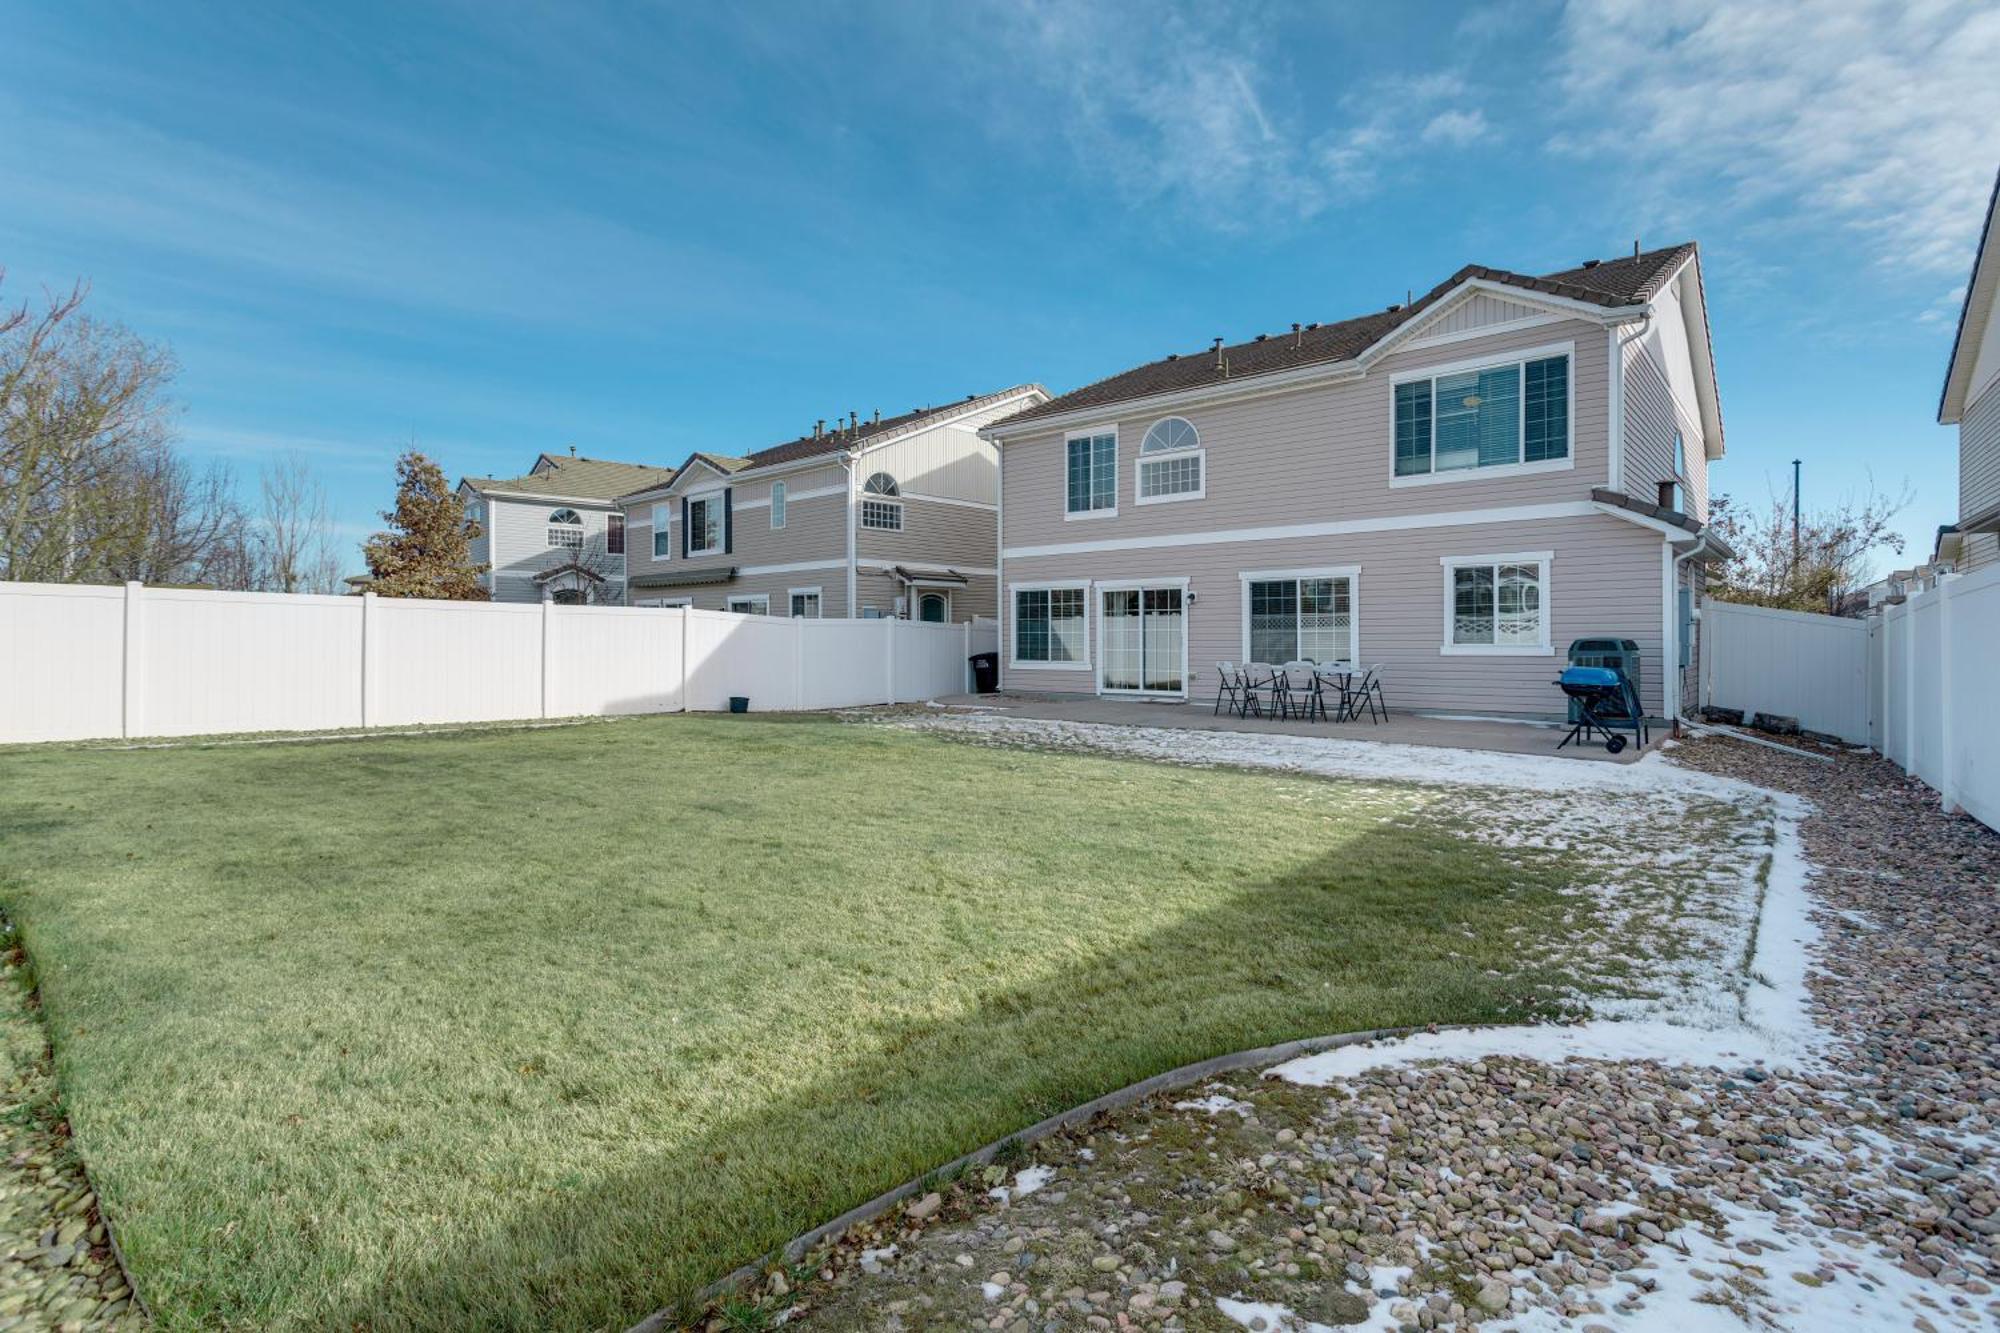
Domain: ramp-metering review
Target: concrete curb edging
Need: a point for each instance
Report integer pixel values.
(660, 1321)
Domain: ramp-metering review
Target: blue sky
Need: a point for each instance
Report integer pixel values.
(496, 229)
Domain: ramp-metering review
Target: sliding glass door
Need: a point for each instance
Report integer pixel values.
(1142, 640)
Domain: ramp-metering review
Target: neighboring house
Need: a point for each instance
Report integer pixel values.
(557, 533)
(1972, 403)
(1901, 584)
(892, 517)
(1455, 489)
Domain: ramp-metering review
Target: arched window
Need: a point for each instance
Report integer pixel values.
(566, 529)
(1170, 462)
(886, 513)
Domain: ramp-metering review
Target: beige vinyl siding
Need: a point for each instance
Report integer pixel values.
(832, 584)
(957, 536)
(1607, 578)
(815, 525)
(1310, 455)
(1977, 550)
(1979, 455)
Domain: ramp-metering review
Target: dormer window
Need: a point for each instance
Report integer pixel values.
(880, 506)
(1171, 462)
(566, 529)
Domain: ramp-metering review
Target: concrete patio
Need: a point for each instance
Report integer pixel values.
(1457, 733)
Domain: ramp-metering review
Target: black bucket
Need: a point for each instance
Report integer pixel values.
(739, 703)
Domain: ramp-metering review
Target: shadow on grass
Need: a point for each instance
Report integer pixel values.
(1373, 935)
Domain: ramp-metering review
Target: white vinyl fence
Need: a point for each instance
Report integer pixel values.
(1917, 682)
(82, 662)
(1813, 668)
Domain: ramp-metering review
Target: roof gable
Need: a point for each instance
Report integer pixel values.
(1973, 348)
(593, 480)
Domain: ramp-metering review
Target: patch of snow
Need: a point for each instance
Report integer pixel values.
(871, 1260)
(1215, 1104)
(992, 1291)
(1773, 1025)
(1026, 1182)
(1265, 1317)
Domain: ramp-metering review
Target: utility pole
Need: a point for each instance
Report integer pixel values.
(1795, 514)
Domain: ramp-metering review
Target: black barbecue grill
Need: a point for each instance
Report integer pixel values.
(1603, 701)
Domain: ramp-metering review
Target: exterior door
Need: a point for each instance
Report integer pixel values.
(1142, 641)
(934, 608)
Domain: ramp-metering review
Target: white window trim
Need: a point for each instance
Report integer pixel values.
(1168, 456)
(1352, 573)
(1083, 515)
(1546, 648)
(729, 604)
(662, 527)
(779, 503)
(813, 591)
(884, 501)
(1061, 585)
(1566, 463)
(664, 603)
(721, 525)
(919, 591)
(1096, 610)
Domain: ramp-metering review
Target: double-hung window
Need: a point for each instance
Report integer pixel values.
(614, 534)
(750, 604)
(1504, 415)
(663, 545)
(805, 603)
(1497, 603)
(1051, 626)
(1092, 479)
(777, 504)
(1304, 615)
(1170, 462)
(705, 525)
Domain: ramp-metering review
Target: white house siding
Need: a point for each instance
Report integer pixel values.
(1480, 310)
(1660, 399)
(519, 542)
(949, 461)
(1606, 578)
(1979, 469)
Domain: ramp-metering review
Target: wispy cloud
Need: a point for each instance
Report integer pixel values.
(1199, 112)
(1874, 115)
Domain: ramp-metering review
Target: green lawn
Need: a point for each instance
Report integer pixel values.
(550, 1028)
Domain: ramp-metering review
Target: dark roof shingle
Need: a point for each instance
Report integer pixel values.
(576, 478)
(1613, 282)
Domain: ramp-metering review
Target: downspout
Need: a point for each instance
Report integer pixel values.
(1699, 546)
(853, 589)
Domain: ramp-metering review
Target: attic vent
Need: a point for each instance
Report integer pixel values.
(1310, 327)
(1394, 308)
(1262, 336)
(1592, 263)
(1173, 356)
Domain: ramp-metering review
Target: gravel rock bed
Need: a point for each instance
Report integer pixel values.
(56, 1267)
(1861, 1190)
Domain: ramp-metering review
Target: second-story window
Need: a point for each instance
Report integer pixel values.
(880, 507)
(663, 537)
(705, 525)
(1170, 462)
(777, 504)
(566, 529)
(614, 534)
(1092, 474)
(1488, 416)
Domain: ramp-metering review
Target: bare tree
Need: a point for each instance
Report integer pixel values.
(1829, 558)
(91, 488)
(295, 550)
(587, 575)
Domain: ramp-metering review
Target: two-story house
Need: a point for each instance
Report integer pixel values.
(1972, 403)
(556, 533)
(866, 518)
(1454, 489)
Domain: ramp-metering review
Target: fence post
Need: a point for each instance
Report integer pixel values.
(1910, 686)
(686, 614)
(889, 663)
(370, 706)
(548, 616)
(965, 656)
(131, 715)
(1947, 778)
(798, 661)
